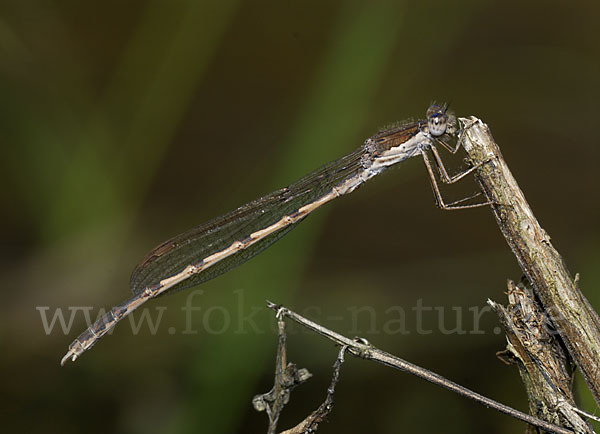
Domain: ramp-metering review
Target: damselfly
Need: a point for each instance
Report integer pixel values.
(218, 246)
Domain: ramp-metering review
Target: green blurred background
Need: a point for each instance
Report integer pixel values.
(126, 122)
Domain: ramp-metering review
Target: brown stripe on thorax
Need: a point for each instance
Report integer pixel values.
(391, 138)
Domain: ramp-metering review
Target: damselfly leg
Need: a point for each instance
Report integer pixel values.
(447, 179)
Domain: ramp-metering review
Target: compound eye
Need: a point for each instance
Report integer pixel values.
(437, 122)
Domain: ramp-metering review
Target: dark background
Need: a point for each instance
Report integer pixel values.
(124, 123)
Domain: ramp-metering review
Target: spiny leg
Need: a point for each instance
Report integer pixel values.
(438, 196)
(446, 179)
(465, 199)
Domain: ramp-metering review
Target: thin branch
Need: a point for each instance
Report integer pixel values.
(312, 421)
(572, 315)
(361, 348)
(287, 376)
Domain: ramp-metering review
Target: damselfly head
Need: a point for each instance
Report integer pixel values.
(440, 120)
(437, 119)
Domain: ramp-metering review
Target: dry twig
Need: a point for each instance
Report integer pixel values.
(570, 312)
(287, 376)
(537, 350)
(361, 348)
